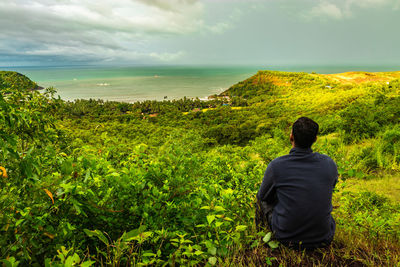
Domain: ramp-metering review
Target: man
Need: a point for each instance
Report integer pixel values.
(295, 197)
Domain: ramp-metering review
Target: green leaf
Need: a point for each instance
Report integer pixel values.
(66, 167)
(212, 250)
(98, 234)
(219, 208)
(273, 244)
(261, 234)
(87, 176)
(114, 174)
(210, 218)
(69, 262)
(142, 228)
(87, 263)
(212, 260)
(6, 263)
(11, 262)
(267, 237)
(19, 222)
(149, 254)
(76, 258)
(131, 234)
(241, 228)
(76, 205)
(255, 244)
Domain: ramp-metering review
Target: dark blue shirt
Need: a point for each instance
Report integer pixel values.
(300, 187)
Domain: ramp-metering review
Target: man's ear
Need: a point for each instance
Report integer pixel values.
(291, 137)
(316, 139)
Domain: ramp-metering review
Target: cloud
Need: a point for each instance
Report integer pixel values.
(351, 5)
(169, 4)
(326, 9)
(219, 27)
(397, 5)
(167, 56)
(370, 3)
(339, 9)
(228, 16)
(102, 30)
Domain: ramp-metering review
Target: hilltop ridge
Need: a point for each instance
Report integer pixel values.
(15, 80)
(278, 82)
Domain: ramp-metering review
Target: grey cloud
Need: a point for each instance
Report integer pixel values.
(198, 31)
(118, 29)
(338, 9)
(175, 5)
(312, 10)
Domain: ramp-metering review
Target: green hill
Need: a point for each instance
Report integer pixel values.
(174, 182)
(282, 83)
(15, 80)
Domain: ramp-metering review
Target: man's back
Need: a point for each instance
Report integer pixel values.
(300, 186)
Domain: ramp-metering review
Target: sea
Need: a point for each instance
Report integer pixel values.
(139, 83)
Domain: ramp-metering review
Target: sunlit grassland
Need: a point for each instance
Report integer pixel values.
(383, 184)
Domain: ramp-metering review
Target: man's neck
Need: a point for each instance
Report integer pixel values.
(297, 149)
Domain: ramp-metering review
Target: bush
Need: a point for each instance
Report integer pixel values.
(371, 214)
(365, 119)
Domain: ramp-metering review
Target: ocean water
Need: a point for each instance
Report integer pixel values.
(130, 84)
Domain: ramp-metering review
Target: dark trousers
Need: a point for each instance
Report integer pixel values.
(263, 215)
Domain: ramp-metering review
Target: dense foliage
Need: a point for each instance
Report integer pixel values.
(15, 80)
(174, 182)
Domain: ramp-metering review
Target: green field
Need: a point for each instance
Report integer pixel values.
(174, 183)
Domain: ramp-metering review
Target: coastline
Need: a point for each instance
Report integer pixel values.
(173, 87)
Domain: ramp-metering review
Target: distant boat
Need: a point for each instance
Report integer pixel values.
(156, 76)
(103, 84)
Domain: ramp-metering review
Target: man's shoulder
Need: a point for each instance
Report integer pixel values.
(284, 159)
(279, 160)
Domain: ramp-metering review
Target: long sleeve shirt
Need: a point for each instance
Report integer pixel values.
(300, 187)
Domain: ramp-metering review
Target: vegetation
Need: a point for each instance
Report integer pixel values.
(174, 182)
(15, 80)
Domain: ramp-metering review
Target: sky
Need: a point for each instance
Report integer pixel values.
(199, 32)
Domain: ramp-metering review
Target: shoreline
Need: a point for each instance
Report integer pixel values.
(127, 95)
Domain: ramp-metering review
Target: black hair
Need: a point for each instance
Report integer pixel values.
(304, 132)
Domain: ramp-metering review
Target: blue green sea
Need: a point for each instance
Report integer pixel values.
(130, 84)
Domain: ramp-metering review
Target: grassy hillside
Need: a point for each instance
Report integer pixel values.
(174, 182)
(15, 80)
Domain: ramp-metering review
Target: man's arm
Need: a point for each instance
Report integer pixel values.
(267, 191)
